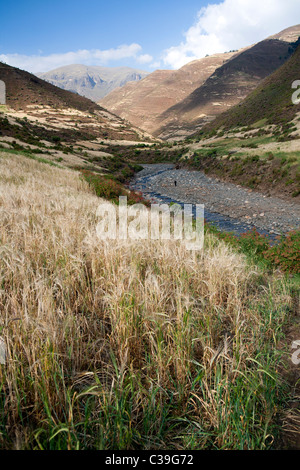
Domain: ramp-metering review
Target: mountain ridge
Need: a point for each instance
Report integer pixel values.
(142, 103)
(226, 87)
(174, 111)
(270, 101)
(93, 82)
(57, 110)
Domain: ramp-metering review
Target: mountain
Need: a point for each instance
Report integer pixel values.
(50, 110)
(143, 102)
(92, 82)
(270, 103)
(290, 34)
(226, 87)
(175, 104)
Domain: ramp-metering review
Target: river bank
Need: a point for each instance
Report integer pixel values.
(228, 206)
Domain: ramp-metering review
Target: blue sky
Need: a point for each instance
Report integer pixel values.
(64, 25)
(41, 35)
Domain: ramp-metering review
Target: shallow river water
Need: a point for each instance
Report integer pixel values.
(228, 207)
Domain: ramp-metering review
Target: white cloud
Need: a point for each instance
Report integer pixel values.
(144, 58)
(232, 24)
(155, 65)
(40, 63)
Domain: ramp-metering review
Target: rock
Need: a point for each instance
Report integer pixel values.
(220, 198)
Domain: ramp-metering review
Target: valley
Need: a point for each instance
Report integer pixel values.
(141, 344)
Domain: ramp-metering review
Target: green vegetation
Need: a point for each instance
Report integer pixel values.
(142, 153)
(284, 254)
(32, 134)
(132, 345)
(229, 159)
(110, 189)
(143, 345)
(28, 154)
(269, 103)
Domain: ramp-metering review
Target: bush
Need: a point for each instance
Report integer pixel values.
(286, 254)
(111, 190)
(254, 243)
(105, 188)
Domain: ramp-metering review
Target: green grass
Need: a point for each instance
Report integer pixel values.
(28, 154)
(288, 157)
(260, 123)
(232, 142)
(108, 188)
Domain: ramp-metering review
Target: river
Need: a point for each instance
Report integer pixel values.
(228, 207)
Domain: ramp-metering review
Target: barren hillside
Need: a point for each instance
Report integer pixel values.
(142, 103)
(226, 87)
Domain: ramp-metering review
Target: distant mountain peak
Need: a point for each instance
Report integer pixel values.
(93, 82)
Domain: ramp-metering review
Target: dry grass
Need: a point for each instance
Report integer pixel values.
(126, 345)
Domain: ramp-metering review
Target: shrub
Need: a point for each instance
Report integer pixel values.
(286, 254)
(111, 190)
(254, 243)
(105, 188)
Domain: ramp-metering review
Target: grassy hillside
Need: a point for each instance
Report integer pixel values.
(226, 87)
(270, 101)
(47, 123)
(126, 345)
(49, 108)
(24, 88)
(256, 143)
(256, 159)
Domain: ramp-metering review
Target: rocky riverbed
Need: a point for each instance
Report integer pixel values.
(227, 205)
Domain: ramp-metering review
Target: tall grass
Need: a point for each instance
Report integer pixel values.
(126, 345)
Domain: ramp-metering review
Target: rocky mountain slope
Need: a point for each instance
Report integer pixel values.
(142, 103)
(45, 123)
(92, 82)
(226, 87)
(269, 104)
(172, 105)
(256, 143)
